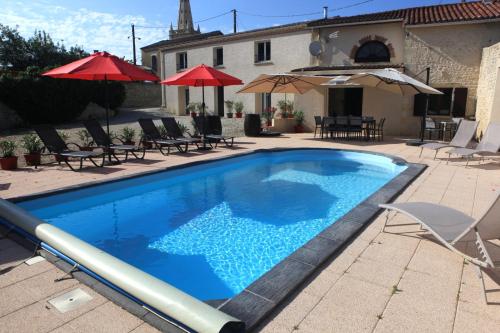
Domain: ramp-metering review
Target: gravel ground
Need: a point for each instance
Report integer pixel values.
(125, 118)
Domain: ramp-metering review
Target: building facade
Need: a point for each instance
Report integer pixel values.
(452, 40)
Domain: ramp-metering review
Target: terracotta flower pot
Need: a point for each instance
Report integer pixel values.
(86, 148)
(8, 163)
(32, 159)
(269, 123)
(239, 114)
(299, 129)
(147, 145)
(193, 114)
(129, 143)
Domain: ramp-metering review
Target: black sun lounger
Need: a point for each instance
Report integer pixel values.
(57, 147)
(102, 140)
(213, 130)
(152, 135)
(174, 131)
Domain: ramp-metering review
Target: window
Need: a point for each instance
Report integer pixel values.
(373, 51)
(263, 51)
(218, 56)
(154, 63)
(265, 101)
(182, 61)
(452, 103)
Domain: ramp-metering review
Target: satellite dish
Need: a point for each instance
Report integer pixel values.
(316, 48)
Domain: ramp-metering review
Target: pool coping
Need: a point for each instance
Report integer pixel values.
(261, 298)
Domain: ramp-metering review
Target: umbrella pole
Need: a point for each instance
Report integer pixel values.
(424, 116)
(106, 97)
(204, 119)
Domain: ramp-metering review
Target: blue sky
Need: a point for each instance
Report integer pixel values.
(105, 25)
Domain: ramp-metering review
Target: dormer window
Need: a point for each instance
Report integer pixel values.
(373, 51)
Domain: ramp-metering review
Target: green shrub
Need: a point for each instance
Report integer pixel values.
(163, 131)
(47, 100)
(32, 143)
(85, 137)
(128, 134)
(7, 148)
(182, 127)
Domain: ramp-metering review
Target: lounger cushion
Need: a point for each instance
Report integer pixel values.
(123, 147)
(463, 151)
(434, 145)
(80, 154)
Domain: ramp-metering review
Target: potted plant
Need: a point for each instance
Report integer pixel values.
(163, 131)
(182, 127)
(85, 139)
(192, 109)
(268, 115)
(229, 106)
(299, 120)
(289, 108)
(33, 147)
(8, 161)
(283, 106)
(128, 135)
(238, 108)
(146, 144)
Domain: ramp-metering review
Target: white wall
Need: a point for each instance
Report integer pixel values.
(288, 51)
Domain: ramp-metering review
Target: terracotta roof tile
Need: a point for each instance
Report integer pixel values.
(455, 12)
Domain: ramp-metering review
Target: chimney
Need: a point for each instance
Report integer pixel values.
(325, 12)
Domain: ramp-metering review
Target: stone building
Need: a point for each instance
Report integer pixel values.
(458, 42)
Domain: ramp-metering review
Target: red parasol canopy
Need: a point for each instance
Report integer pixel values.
(202, 76)
(101, 66)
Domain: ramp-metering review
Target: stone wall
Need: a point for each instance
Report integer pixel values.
(453, 52)
(488, 90)
(8, 118)
(142, 95)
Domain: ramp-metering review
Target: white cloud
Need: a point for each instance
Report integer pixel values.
(90, 29)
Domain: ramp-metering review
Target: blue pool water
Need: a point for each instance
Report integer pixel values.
(213, 229)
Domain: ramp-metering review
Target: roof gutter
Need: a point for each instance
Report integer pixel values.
(452, 23)
(355, 23)
(163, 297)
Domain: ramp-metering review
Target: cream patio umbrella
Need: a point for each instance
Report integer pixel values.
(391, 80)
(283, 83)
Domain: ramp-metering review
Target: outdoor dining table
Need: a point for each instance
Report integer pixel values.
(367, 123)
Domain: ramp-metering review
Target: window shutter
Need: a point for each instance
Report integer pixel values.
(419, 105)
(460, 102)
(268, 50)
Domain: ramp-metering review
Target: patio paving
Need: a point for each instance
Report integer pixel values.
(381, 282)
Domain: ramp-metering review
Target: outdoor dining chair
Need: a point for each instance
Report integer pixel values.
(318, 125)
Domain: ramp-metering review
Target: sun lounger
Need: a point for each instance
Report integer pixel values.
(102, 140)
(490, 144)
(153, 136)
(174, 131)
(465, 133)
(57, 147)
(450, 226)
(209, 131)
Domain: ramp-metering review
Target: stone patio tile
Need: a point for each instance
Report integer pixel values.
(41, 319)
(13, 298)
(107, 318)
(356, 247)
(341, 263)
(291, 316)
(382, 274)
(23, 272)
(434, 259)
(321, 283)
(12, 256)
(43, 285)
(467, 322)
(350, 306)
(425, 303)
(145, 328)
(384, 250)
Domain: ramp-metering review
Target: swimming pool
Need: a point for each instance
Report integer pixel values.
(214, 228)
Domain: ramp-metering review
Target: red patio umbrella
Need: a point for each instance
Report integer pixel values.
(202, 76)
(101, 66)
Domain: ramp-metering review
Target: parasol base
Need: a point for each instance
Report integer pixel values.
(415, 143)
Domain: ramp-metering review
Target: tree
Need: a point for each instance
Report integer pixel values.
(39, 50)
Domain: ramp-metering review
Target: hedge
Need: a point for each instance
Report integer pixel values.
(48, 100)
